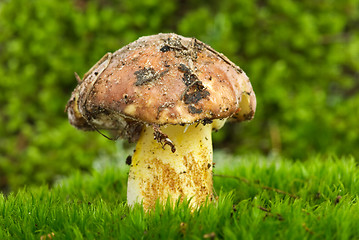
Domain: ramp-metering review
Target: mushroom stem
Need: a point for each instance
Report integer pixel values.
(158, 173)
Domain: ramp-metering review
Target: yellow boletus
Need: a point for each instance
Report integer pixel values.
(167, 93)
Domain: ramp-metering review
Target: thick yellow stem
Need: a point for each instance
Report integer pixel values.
(158, 173)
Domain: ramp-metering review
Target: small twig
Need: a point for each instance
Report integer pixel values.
(270, 214)
(307, 229)
(279, 191)
(237, 178)
(261, 186)
(188, 87)
(264, 209)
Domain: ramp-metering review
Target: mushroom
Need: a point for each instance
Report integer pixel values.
(167, 93)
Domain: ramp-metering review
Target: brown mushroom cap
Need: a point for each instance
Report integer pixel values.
(161, 79)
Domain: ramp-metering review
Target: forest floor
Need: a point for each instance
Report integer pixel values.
(256, 198)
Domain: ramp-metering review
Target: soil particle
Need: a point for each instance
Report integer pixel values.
(145, 75)
(195, 90)
(195, 94)
(165, 48)
(206, 121)
(129, 160)
(194, 110)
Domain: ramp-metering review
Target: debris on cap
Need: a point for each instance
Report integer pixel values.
(157, 80)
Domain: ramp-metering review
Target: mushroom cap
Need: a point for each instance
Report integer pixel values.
(157, 80)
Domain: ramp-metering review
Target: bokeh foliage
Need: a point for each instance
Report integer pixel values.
(302, 58)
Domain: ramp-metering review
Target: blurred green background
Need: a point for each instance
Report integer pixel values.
(302, 58)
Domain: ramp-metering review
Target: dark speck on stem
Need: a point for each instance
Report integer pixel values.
(129, 160)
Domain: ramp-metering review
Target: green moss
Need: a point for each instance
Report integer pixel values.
(253, 203)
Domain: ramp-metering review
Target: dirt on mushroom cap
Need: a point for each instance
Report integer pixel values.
(162, 79)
